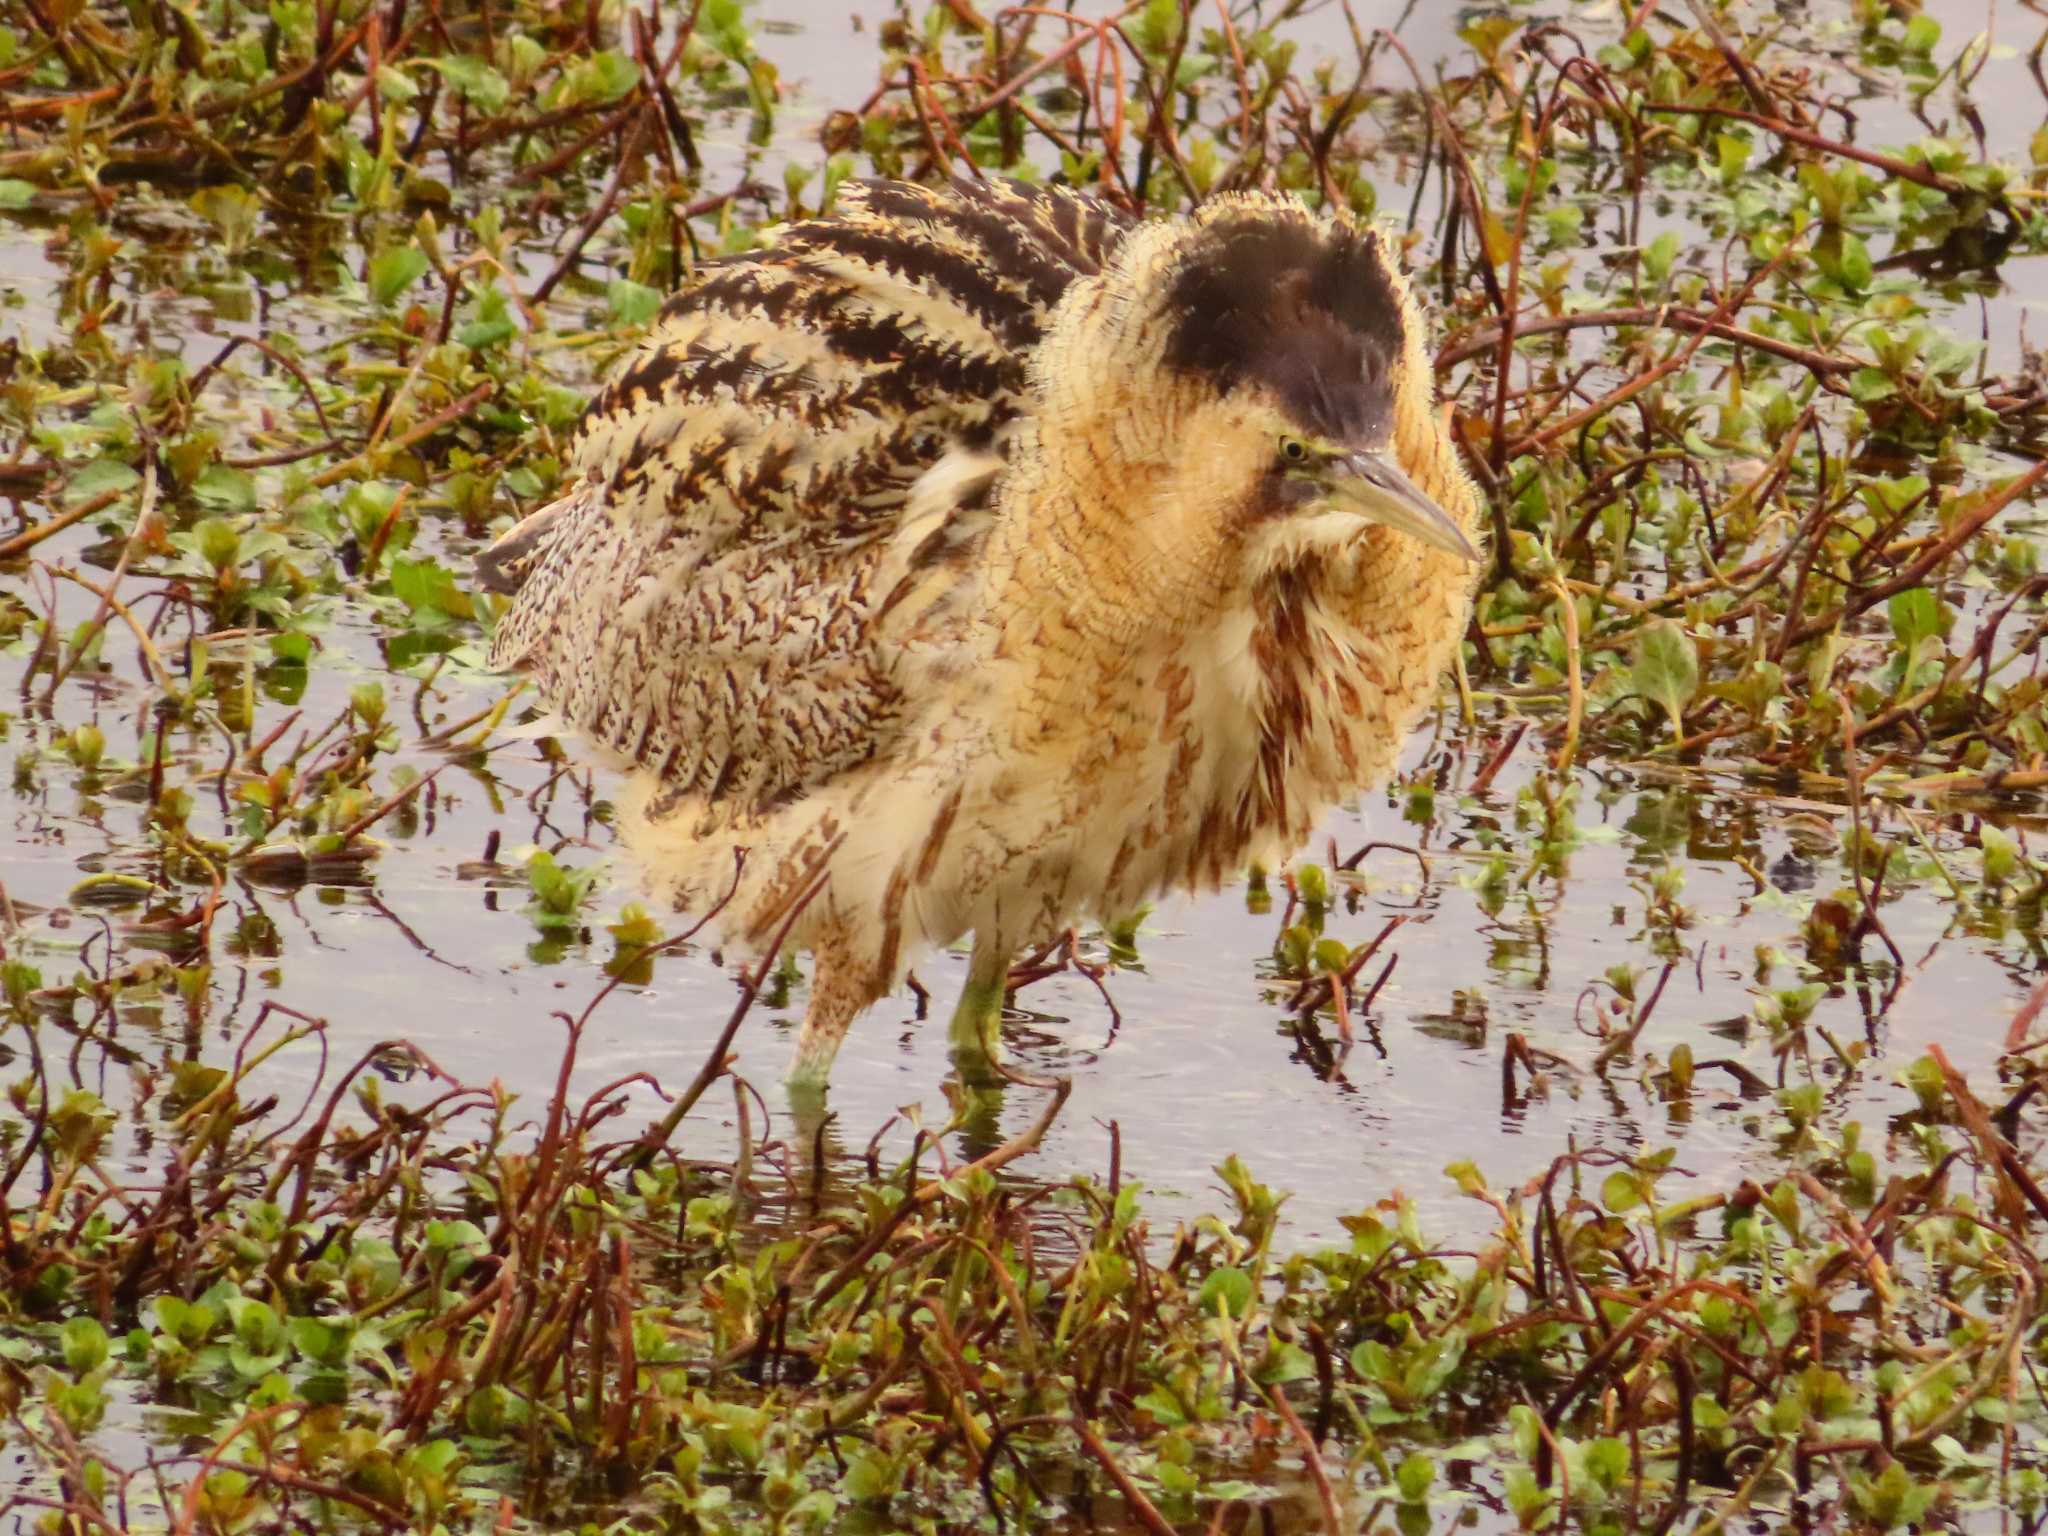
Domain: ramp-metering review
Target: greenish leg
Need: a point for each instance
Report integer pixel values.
(811, 1068)
(810, 1132)
(805, 1089)
(839, 991)
(976, 1030)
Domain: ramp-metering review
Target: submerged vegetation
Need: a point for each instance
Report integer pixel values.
(306, 299)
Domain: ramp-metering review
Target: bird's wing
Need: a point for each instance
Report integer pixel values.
(807, 428)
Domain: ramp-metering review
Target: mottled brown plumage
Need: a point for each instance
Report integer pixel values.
(977, 560)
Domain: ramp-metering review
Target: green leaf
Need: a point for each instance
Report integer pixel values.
(435, 1458)
(396, 85)
(99, 477)
(428, 589)
(1621, 1191)
(1658, 257)
(603, 77)
(1228, 1288)
(1890, 497)
(477, 83)
(721, 21)
(1915, 616)
(1486, 34)
(321, 1341)
(395, 270)
(1731, 153)
(15, 194)
(189, 1322)
(1413, 1478)
(80, 1122)
(870, 1477)
(251, 1366)
(484, 1413)
(85, 1345)
(1892, 1498)
(1667, 670)
(225, 489)
(1867, 386)
(1527, 1498)
(1607, 1461)
(1373, 1361)
(491, 324)
(1465, 1173)
(1312, 885)
(632, 303)
(1423, 1374)
(1158, 26)
(1284, 1362)
(2001, 854)
(291, 647)
(460, 1236)
(1854, 266)
(1922, 33)
(1235, 1490)
(256, 1325)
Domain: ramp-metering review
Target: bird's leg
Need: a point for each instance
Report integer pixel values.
(976, 1030)
(840, 988)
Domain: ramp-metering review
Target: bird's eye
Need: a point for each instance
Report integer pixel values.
(1293, 450)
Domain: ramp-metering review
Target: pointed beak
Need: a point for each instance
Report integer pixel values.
(1374, 486)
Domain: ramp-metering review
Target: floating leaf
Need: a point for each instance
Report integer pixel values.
(428, 590)
(98, 478)
(231, 209)
(225, 489)
(395, 270)
(1667, 670)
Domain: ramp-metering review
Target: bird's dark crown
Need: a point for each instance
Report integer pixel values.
(1306, 309)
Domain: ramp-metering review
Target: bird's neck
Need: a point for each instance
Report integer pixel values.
(1077, 546)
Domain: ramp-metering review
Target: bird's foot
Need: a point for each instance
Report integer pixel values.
(806, 1095)
(976, 1034)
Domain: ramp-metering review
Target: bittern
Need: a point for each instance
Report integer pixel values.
(980, 560)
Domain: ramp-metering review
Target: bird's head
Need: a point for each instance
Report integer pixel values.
(1249, 391)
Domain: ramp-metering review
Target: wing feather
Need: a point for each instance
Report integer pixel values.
(809, 435)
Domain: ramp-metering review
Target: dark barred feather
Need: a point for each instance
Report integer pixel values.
(702, 600)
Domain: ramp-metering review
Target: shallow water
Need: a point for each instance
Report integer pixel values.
(1205, 1062)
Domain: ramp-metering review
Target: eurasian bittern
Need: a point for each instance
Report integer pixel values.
(979, 560)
